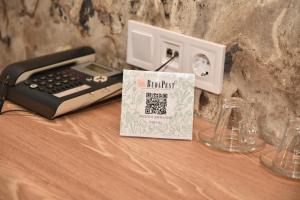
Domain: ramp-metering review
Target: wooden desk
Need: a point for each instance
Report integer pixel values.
(81, 156)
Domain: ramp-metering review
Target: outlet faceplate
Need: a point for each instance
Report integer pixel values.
(147, 46)
(173, 66)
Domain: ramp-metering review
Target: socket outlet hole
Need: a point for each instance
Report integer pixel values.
(176, 53)
(201, 65)
(169, 53)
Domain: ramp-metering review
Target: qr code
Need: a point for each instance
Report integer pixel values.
(156, 103)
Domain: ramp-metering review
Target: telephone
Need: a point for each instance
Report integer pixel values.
(56, 84)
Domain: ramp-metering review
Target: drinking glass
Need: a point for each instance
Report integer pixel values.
(236, 129)
(285, 160)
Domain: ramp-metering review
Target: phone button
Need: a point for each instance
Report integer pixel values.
(33, 86)
(89, 79)
(98, 79)
(72, 79)
(50, 86)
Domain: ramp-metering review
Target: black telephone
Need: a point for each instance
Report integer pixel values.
(59, 83)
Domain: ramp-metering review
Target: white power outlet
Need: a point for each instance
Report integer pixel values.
(149, 47)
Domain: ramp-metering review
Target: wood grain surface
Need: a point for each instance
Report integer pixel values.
(81, 156)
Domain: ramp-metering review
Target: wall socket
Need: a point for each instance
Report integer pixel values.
(167, 51)
(148, 47)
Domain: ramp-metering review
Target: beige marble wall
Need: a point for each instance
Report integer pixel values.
(262, 39)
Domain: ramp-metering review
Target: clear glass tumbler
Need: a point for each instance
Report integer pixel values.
(285, 160)
(236, 128)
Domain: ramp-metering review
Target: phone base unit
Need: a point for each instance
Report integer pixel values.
(56, 84)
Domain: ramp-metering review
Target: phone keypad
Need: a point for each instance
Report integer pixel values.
(56, 81)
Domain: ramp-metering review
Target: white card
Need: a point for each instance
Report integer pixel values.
(157, 104)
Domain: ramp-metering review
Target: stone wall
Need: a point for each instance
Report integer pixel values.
(262, 39)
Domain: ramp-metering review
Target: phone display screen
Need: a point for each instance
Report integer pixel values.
(93, 69)
(97, 69)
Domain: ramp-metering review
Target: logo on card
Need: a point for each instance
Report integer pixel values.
(141, 83)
